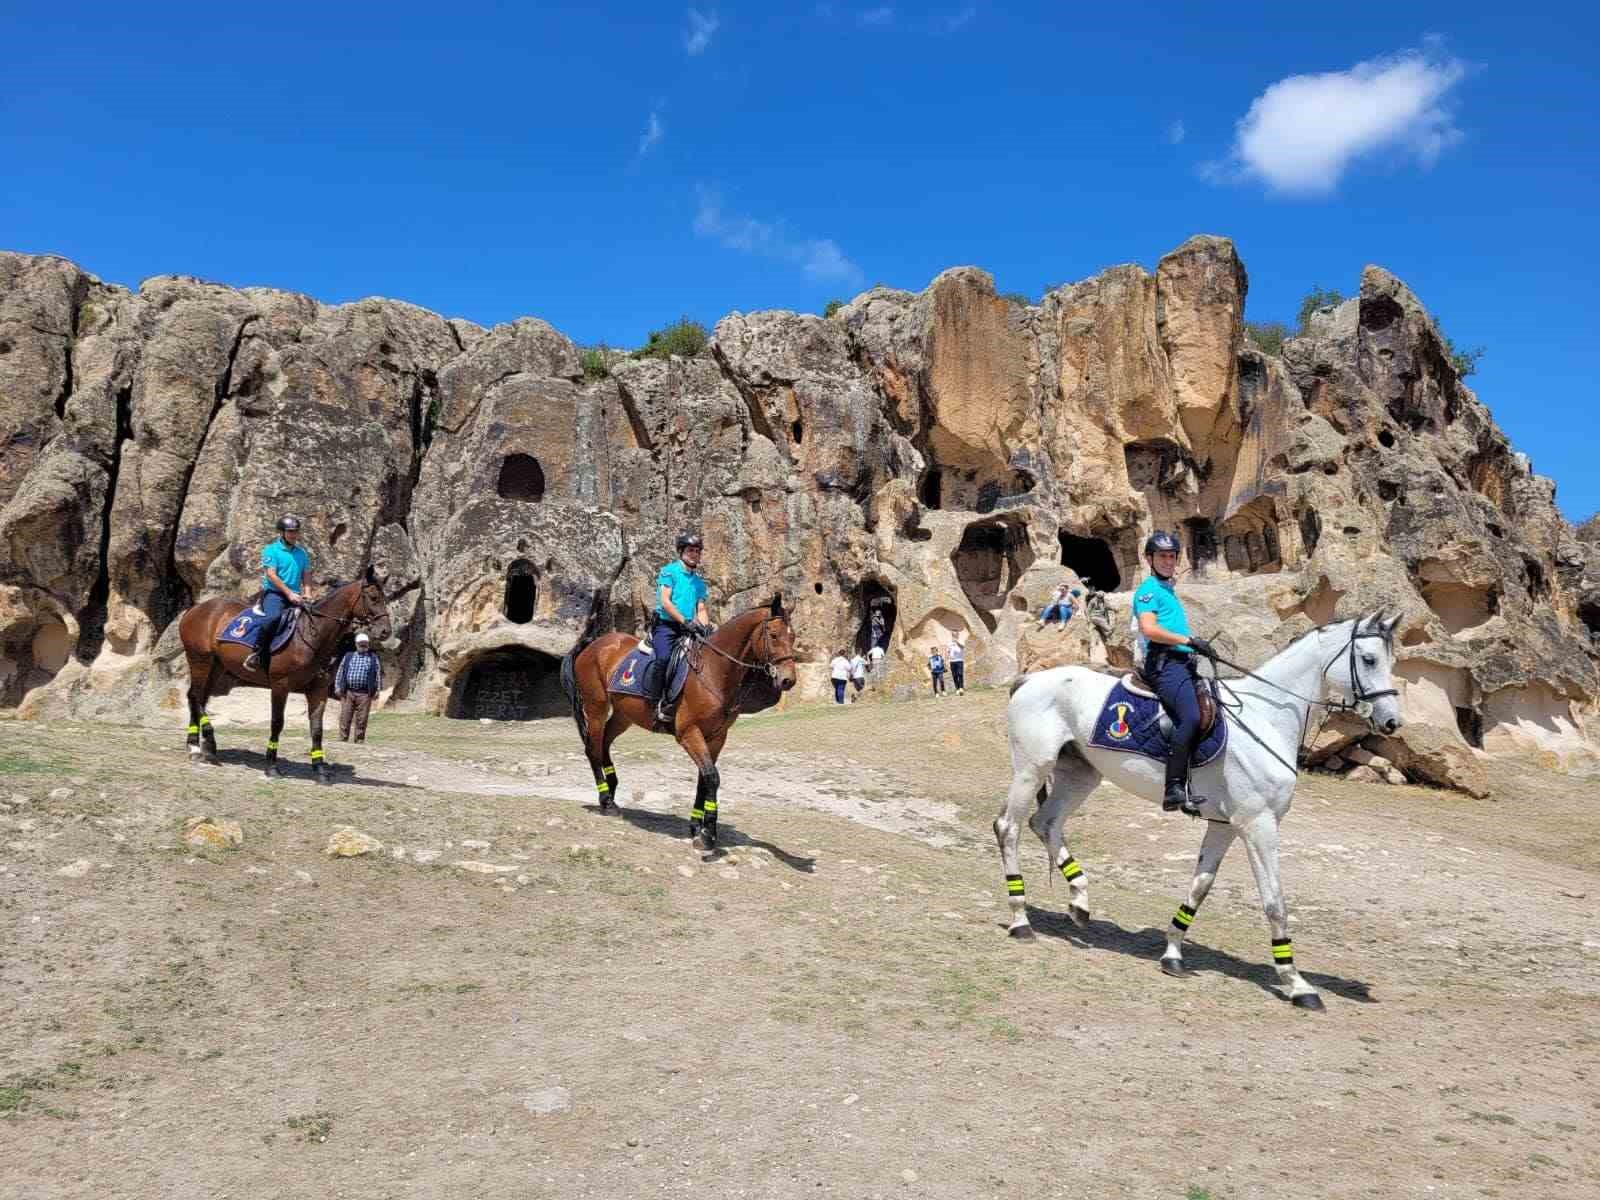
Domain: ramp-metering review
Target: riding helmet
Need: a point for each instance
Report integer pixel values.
(288, 522)
(1161, 540)
(685, 540)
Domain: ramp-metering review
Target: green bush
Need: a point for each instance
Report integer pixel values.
(1267, 336)
(832, 306)
(684, 338)
(1465, 361)
(595, 361)
(1317, 297)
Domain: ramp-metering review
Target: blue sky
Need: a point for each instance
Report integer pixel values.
(610, 167)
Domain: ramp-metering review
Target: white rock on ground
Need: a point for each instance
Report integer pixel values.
(548, 1100)
(76, 870)
(346, 842)
(216, 832)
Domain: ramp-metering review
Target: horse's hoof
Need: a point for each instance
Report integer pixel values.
(1023, 933)
(1078, 915)
(273, 773)
(322, 777)
(1175, 968)
(1311, 1002)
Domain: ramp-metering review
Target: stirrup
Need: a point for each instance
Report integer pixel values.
(252, 661)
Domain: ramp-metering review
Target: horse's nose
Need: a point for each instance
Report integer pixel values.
(1391, 724)
(786, 684)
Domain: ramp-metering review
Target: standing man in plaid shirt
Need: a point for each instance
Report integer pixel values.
(360, 678)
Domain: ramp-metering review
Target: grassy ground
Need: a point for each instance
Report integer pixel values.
(830, 1008)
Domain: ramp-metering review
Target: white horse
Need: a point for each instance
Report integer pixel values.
(1344, 666)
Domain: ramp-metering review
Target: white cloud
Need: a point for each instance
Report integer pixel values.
(876, 17)
(1303, 132)
(701, 26)
(958, 20)
(819, 259)
(1176, 133)
(652, 134)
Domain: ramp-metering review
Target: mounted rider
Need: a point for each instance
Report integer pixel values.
(285, 570)
(680, 610)
(1167, 653)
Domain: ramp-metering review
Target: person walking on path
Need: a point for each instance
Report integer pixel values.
(936, 667)
(359, 679)
(858, 672)
(839, 669)
(955, 653)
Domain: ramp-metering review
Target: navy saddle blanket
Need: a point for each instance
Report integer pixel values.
(243, 628)
(1135, 724)
(630, 677)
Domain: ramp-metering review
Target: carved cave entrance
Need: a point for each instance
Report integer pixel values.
(991, 559)
(873, 597)
(1092, 559)
(510, 684)
(522, 591)
(521, 478)
(1589, 614)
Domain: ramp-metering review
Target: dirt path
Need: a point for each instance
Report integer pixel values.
(830, 1009)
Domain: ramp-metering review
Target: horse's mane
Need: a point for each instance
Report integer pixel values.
(1376, 617)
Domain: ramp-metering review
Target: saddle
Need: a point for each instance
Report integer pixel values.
(243, 628)
(631, 676)
(1205, 692)
(1133, 721)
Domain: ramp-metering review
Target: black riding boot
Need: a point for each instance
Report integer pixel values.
(261, 657)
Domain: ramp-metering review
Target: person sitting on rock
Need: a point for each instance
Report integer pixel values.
(680, 609)
(286, 570)
(1167, 652)
(1059, 608)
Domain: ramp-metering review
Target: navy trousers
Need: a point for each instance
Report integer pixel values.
(273, 604)
(664, 636)
(1172, 675)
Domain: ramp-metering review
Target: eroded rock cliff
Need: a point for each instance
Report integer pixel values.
(949, 455)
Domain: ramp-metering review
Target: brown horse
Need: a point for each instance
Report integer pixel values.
(303, 665)
(753, 651)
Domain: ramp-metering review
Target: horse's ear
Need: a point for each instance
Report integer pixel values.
(777, 604)
(1389, 625)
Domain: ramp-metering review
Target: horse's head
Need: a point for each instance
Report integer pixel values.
(774, 645)
(372, 607)
(1363, 670)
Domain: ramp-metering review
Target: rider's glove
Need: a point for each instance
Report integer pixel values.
(1202, 647)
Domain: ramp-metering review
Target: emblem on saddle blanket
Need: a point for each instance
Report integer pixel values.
(242, 629)
(1132, 724)
(630, 676)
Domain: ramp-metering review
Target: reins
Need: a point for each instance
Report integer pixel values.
(1361, 705)
(769, 665)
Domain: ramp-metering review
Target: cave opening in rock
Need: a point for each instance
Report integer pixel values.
(873, 597)
(1533, 573)
(1470, 722)
(1386, 439)
(509, 684)
(521, 478)
(522, 591)
(1589, 614)
(928, 490)
(1203, 544)
(1092, 559)
(989, 562)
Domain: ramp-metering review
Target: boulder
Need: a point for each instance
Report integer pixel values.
(216, 833)
(1430, 754)
(1364, 774)
(346, 842)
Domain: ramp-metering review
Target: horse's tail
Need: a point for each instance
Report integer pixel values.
(569, 674)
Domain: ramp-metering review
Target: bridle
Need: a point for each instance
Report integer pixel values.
(359, 612)
(769, 664)
(1360, 703)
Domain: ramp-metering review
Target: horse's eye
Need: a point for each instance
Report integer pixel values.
(1370, 659)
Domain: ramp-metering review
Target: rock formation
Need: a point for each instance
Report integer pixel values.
(950, 454)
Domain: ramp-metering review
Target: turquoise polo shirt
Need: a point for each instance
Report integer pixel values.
(1156, 595)
(292, 564)
(685, 587)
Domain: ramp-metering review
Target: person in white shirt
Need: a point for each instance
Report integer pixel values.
(876, 656)
(956, 658)
(839, 669)
(858, 672)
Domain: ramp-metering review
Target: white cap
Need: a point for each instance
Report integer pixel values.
(361, 637)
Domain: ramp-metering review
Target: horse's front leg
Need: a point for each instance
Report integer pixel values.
(1219, 836)
(279, 696)
(1261, 844)
(316, 706)
(703, 816)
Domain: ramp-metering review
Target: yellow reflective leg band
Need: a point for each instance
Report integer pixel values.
(1014, 884)
(204, 720)
(697, 812)
(272, 745)
(1070, 869)
(316, 755)
(711, 808)
(602, 787)
(194, 729)
(1184, 917)
(609, 772)
(1282, 950)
